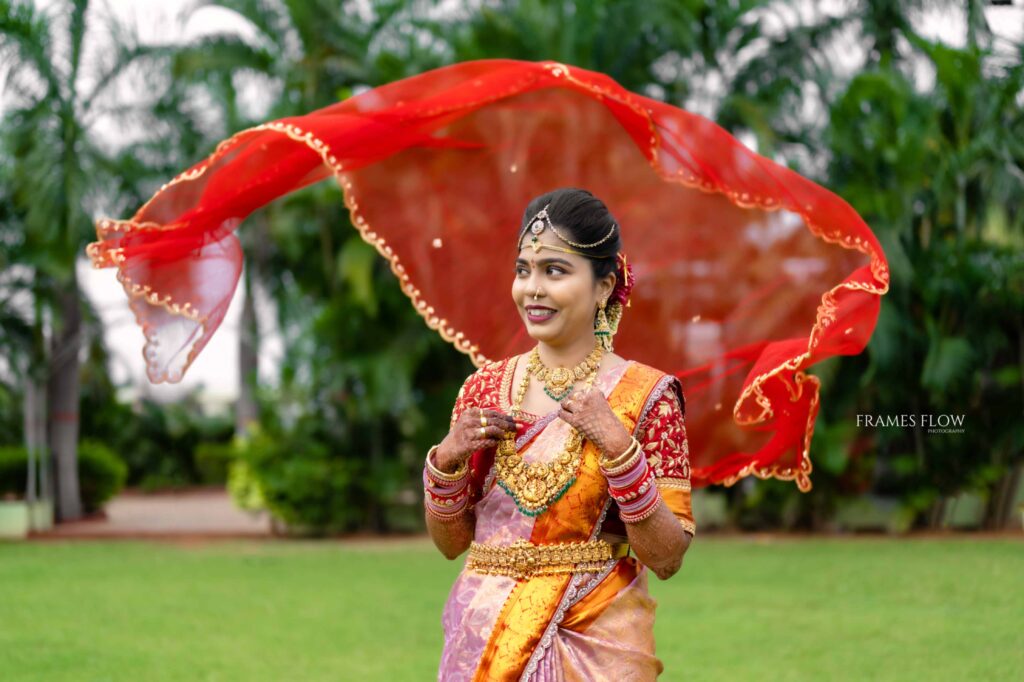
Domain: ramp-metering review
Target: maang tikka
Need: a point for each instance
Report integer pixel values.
(541, 221)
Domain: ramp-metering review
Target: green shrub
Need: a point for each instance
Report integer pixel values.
(13, 471)
(301, 480)
(212, 461)
(167, 478)
(245, 487)
(101, 473)
(159, 442)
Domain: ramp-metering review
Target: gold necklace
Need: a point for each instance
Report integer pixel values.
(558, 382)
(535, 486)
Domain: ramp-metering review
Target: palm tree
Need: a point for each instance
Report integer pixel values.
(62, 170)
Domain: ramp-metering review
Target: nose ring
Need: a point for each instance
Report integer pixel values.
(536, 294)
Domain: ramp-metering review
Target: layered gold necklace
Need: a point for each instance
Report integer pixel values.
(558, 382)
(535, 486)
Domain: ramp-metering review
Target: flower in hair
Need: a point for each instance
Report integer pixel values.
(624, 280)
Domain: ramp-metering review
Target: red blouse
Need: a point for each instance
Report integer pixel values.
(662, 434)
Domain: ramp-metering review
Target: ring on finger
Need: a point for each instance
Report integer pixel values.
(483, 432)
(483, 419)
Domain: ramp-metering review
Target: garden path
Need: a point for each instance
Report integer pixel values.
(203, 512)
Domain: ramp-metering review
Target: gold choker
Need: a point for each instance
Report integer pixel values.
(558, 382)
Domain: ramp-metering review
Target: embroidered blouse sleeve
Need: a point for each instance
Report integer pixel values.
(478, 390)
(467, 397)
(662, 435)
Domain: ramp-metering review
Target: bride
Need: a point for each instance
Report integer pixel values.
(565, 473)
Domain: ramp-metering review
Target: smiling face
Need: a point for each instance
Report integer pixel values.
(563, 312)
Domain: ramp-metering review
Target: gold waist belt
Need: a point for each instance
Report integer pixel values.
(523, 559)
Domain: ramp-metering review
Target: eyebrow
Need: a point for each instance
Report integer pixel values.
(544, 261)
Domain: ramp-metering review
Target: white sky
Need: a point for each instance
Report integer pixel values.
(216, 368)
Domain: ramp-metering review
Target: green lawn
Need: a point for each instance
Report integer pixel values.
(740, 609)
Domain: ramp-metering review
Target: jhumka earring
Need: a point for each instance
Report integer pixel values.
(603, 330)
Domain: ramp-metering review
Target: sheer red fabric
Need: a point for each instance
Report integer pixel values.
(746, 272)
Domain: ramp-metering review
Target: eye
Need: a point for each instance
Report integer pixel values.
(520, 269)
(554, 269)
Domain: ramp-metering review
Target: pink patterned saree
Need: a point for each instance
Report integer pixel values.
(583, 626)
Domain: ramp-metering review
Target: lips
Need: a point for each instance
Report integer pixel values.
(539, 313)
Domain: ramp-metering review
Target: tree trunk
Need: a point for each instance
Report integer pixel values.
(34, 430)
(63, 399)
(246, 411)
(936, 514)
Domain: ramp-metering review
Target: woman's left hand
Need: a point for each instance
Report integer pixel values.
(589, 412)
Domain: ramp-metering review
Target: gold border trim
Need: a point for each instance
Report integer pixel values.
(672, 483)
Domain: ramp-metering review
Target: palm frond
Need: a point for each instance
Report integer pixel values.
(219, 53)
(25, 38)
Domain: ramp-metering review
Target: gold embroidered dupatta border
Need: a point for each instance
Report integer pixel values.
(534, 601)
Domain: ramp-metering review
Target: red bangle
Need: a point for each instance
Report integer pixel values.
(635, 489)
(446, 508)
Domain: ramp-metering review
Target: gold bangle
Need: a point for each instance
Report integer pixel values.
(447, 517)
(441, 475)
(621, 458)
(638, 456)
(625, 458)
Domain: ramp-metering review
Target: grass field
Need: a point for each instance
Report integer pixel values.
(740, 609)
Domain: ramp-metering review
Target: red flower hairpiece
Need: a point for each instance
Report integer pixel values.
(624, 281)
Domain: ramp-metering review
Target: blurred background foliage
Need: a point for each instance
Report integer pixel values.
(925, 139)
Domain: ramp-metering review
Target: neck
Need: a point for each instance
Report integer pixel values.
(566, 355)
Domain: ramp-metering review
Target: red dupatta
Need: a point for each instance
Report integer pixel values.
(747, 273)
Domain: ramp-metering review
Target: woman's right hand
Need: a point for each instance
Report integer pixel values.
(468, 436)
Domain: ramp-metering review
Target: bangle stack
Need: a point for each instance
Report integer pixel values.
(631, 483)
(446, 496)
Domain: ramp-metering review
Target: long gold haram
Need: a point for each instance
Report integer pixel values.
(535, 486)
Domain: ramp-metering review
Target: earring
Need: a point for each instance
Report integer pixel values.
(603, 330)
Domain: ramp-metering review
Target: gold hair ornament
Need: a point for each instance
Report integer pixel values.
(541, 221)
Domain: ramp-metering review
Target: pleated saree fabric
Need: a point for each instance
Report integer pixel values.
(747, 273)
